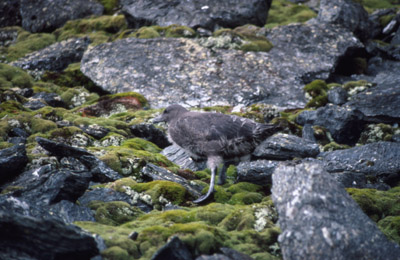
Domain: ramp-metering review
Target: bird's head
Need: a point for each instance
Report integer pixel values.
(170, 113)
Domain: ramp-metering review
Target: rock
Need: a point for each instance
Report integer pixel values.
(234, 255)
(213, 257)
(377, 161)
(347, 13)
(319, 220)
(49, 99)
(48, 15)
(55, 57)
(380, 104)
(258, 172)
(344, 123)
(9, 13)
(94, 130)
(157, 173)
(99, 170)
(337, 96)
(12, 161)
(205, 14)
(103, 194)
(204, 76)
(70, 212)
(396, 38)
(60, 149)
(174, 249)
(8, 35)
(150, 133)
(180, 157)
(53, 239)
(34, 104)
(285, 147)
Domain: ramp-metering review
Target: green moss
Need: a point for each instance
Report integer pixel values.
(176, 31)
(390, 226)
(354, 84)
(98, 29)
(377, 204)
(10, 107)
(284, 12)
(114, 213)
(244, 187)
(371, 5)
(27, 42)
(146, 33)
(332, 146)
(257, 45)
(65, 132)
(39, 125)
(240, 219)
(246, 198)
(317, 90)
(155, 31)
(11, 77)
(377, 132)
(115, 253)
(141, 144)
(110, 6)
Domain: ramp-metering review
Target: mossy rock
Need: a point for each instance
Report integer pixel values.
(27, 43)
(377, 132)
(146, 32)
(110, 6)
(333, 146)
(283, 12)
(99, 29)
(177, 31)
(114, 213)
(141, 144)
(171, 31)
(371, 5)
(115, 253)
(317, 90)
(377, 204)
(65, 132)
(240, 219)
(390, 226)
(11, 107)
(12, 77)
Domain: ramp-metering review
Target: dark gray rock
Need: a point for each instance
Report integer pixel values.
(344, 123)
(319, 219)
(213, 257)
(96, 131)
(9, 13)
(307, 133)
(99, 170)
(396, 38)
(220, 77)
(378, 104)
(35, 104)
(53, 239)
(153, 172)
(50, 99)
(347, 13)
(48, 15)
(55, 57)
(8, 35)
(285, 147)
(338, 96)
(179, 156)
(206, 14)
(103, 194)
(377, 161)
(70, 212)
(174, 249)
(12, 162)
(234, 255)
(258, 172)
(151, 133)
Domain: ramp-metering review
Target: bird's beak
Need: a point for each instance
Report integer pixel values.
(158, 119)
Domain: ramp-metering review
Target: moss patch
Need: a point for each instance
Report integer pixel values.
(317, 91)
(114, 213)
(171, 31)
(390, 226)
(284, 12)
(11, 77)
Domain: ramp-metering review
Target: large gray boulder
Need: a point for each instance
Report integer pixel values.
(9, 13)
(48, 15)
(206, 14)
(319, 219)
(176, 70)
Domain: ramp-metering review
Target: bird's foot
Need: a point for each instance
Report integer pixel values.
(202, 198)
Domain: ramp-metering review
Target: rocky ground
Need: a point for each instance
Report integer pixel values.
(85, 174)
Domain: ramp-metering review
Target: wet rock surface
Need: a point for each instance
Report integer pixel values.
(319, 219)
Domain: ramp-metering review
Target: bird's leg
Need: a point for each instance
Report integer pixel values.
(210, 189)
(222, 174)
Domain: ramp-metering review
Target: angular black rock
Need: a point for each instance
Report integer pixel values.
(48, 15)
(258, 172)
(55, 57)
(206, 14)
(345, 124)
(213, 257)
(378, 160)
(347, 13)
(174, 249)
(338, 96)
(35, 104)
(12, 162)
(104, 194)
(23, 237)
(234, 255)
(70, 212)
(60, 149)
(319, 219)
(9, 13)
(150, 133)
(96, 131)
(51, 99)
(286, 147)
(380, 104)
(153, 172)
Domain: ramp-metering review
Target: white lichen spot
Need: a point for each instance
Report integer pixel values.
(263, 216)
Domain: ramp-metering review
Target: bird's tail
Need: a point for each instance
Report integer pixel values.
(263, 131)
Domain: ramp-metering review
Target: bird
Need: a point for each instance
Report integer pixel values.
(215, 137)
